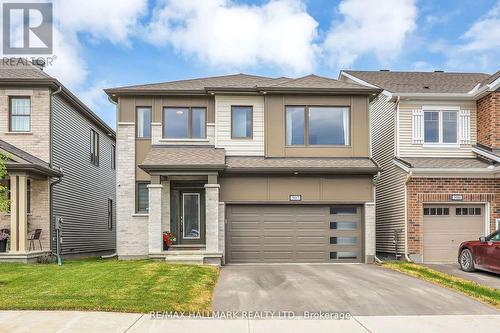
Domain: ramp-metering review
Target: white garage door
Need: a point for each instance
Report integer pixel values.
(446, 226)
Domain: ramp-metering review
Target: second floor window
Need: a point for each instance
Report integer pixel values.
(184, 123)
(94, 147)
(317, 126)
(441, 126)
(142, 197)
(241, 122)
(143, 122)
(20, 114)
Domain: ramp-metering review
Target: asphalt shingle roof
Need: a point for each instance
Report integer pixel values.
(20, 69)
(421, 82)
(444, 163)
(184, 158)
(30, 159)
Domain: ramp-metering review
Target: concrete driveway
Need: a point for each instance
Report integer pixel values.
(484, 278)
(362, 290)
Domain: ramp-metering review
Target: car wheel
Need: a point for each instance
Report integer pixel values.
(467, 261)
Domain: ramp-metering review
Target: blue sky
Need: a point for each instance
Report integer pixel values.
(111, 43)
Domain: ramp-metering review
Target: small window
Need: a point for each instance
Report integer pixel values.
(467, 211)
(113, 157)
(94, 147)
(241, 122)
(184, 123)
(343, 225)
(437, 211)
(142, 197)
(20, 114)
(143, 122)
(343, 240)
(343, 210)
(110, 214)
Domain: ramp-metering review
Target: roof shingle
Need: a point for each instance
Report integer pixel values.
(184, 158)
(444, 163)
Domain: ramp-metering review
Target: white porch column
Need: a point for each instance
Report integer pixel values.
(370, 232)
(155, 217)
(18, 212)
(212, 217)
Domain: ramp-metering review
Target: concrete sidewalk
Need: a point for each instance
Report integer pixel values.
(78, 321)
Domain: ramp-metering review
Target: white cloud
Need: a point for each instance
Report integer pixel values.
(223, 33)
(380, 29)
(480, 46)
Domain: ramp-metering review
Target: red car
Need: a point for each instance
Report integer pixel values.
(483, 254)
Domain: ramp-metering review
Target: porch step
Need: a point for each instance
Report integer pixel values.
(185, 259)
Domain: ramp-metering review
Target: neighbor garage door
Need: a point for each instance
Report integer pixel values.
(293, 233)
(446, 226)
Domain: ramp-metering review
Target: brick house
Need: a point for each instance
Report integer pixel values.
(436, 135)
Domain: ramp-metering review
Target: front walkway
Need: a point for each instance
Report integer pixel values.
(77, 321)
(360, 289)
(483, 278)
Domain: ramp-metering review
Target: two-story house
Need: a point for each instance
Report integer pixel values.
(60, 164)
(435, 135)
(245, 169)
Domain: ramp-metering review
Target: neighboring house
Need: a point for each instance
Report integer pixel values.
(61, 164)
(436, 137)
(245, 169)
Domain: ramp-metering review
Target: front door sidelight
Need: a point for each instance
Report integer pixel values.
(191, 216)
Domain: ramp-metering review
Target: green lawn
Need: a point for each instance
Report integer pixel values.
(107, 285)
(477, 291)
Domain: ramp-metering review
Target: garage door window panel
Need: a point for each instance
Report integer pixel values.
(344, 255)
(348, 226)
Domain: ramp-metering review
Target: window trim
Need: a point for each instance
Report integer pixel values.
(306, 125)
(440, 110)
(94, 148)
(190, 122)
(137, 123)
(11, 115)
(137, 211)
(251, 127)
(110, 214)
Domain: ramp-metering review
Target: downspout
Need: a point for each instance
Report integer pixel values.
(408, 177)
(52, 183)
(375, 181)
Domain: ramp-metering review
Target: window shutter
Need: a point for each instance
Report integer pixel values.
(464, 127)
(417, 126)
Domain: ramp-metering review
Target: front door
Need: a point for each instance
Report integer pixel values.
(190, 217)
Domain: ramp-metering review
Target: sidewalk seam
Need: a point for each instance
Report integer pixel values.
(135, 322)
(366, 328)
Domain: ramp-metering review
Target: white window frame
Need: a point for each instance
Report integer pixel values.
(440, 110)
(199, 215)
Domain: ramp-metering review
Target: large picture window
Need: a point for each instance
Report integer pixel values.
(441, 127)
(143, 122)
(184, 123)
(20, 114)
(241, 122)
(317, 125)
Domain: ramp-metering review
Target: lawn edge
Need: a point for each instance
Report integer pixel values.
(394, 266)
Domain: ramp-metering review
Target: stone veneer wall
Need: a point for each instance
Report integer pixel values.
(131, 228)
(428, 190)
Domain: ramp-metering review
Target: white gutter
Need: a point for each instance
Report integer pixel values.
(359, 81)
(486, 154)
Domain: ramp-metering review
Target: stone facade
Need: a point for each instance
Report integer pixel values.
(35, 142)
(488, 120)
(212, 217)
(369, 232)
(428, 190)
(131, 228)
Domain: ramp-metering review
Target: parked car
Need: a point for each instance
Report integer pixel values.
(483, 254)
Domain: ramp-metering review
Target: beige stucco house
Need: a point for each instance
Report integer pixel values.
(246, 169)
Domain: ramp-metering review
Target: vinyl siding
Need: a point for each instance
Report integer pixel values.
(81, 198)
(409, 149)
(390, 194)
(239, 147)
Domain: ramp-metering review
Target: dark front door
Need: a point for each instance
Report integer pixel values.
(188, 219)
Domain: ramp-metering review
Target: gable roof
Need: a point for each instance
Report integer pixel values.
(244, 82)
(20, 72)
(489, 80)
(421, 82)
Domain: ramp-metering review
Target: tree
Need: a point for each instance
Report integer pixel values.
(4, 191)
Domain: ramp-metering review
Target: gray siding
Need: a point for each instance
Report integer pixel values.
(82, 196)
(390, 190)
